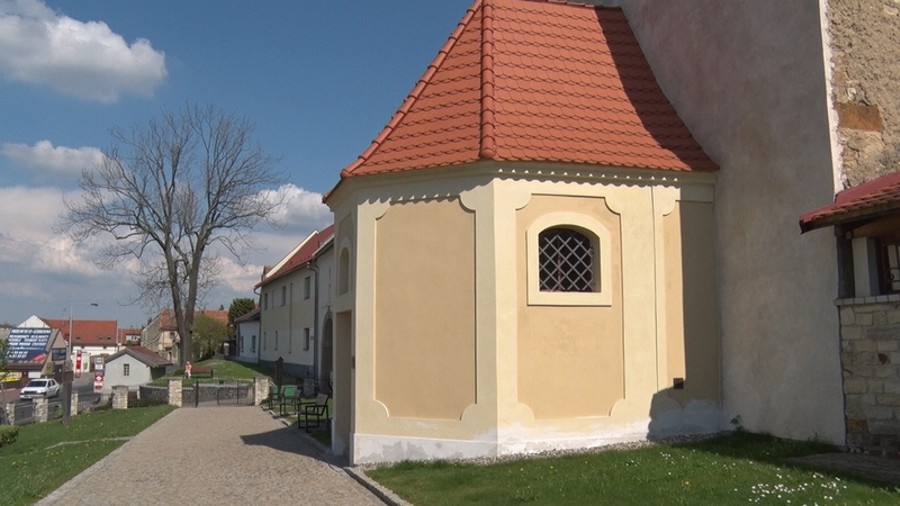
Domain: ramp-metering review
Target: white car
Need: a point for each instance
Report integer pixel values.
(46, 387)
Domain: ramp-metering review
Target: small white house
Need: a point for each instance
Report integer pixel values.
(248, 337)
(133, 366)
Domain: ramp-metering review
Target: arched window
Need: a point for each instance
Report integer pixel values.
(566, 261)
(569, 261)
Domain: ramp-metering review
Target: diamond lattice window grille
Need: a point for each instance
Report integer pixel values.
(566, 261)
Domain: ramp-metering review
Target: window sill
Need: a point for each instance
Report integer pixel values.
(874, 299)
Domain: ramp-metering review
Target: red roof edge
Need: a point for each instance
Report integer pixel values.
(488, 142)
(415, 93)
(862, 201)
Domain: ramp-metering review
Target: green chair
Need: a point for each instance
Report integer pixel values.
(287, 397)
(274, 395)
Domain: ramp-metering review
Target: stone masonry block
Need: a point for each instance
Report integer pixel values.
(865, 319)
(848, 358)
(864, 345)
(887, 345)
(846, 315)
(891, 400)
(882, 331)
(859, 116)
(885, 428)
(851, 332)
(877, 412)
(855, 386)
(888, 372)
(892, 387)
(857, 426)
(853, 406)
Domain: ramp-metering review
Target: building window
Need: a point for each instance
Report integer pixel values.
(283, 295)
(126, 370)
(307, 287)
(888, 250)
(344, 272)
(266, 301)
(306, 338)
(252, 344)
(265, 338)
(566, 261)
(569, 261)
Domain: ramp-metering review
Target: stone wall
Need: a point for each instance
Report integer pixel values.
(865, 43)
(870, 358)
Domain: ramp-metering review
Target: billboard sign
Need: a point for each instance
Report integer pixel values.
(28, 345)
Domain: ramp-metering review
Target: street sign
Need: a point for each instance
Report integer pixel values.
(98, 382)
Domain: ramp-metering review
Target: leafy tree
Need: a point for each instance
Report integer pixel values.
(165, 193)
(238, 308)
(209, 334)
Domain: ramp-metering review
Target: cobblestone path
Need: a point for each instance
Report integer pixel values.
(220, 456)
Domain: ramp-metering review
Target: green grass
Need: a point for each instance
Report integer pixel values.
(46, 455)
(736, 469)
(227, 370)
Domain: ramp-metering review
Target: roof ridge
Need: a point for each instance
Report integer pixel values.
(488, 143)
(417, 90)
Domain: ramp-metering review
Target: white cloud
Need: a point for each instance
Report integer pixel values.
(27, 239)
(302, 210)
(54, 160)
(43, 269)
(82, 59)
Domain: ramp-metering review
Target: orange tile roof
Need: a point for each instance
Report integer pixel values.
(860, 202)
(300, 256)
(87, 332)
(167, 317)
(536, 81)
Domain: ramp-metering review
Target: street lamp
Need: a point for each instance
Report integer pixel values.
(67, 370)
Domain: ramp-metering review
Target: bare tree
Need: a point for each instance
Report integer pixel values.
(168, 191)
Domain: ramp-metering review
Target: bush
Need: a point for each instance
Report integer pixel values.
(8, 434)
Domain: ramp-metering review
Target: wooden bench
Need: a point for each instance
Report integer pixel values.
(198, 371)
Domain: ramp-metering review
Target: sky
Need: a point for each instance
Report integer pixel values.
(318, 80)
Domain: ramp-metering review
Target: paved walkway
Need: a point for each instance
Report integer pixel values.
(220, 456)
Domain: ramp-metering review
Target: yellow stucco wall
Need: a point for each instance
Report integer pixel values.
(570, 358)
(453, 355)
(692, 342)
(425, 309)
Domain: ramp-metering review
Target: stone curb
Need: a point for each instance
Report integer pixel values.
(386, 495)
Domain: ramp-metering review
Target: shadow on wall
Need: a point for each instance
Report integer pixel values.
(669, 419)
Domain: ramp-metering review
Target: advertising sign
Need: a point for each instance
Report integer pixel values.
(28, 345)
(58, 354)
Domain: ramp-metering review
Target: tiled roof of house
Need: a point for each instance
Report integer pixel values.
(167, 317)
(536, 81)
(860, 202)
(87, 332)
(143, 354)
(303, 253)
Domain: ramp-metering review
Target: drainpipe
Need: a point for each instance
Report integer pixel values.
(259, 328)
(315, 268)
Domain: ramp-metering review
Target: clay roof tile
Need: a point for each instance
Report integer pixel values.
(536, 81)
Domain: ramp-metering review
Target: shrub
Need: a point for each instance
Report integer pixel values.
(8, 434)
